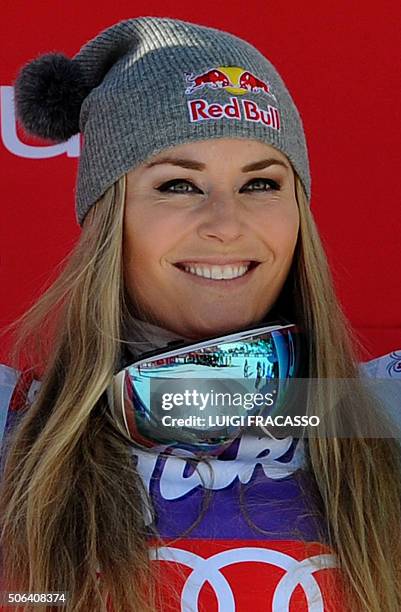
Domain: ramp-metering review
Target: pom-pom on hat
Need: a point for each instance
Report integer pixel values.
(49, 94)
(150, 83)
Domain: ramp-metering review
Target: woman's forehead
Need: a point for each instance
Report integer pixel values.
(199, 155)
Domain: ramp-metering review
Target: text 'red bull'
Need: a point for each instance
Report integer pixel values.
(201, 110)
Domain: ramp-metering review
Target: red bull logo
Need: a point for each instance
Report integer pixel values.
(213, 78)
(250, 82)
(234, 80)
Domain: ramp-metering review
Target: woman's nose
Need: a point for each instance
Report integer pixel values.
(222, 219)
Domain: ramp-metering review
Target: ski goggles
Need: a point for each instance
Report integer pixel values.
(200, 396)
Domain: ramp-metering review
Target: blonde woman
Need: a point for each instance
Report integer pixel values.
(193, 195)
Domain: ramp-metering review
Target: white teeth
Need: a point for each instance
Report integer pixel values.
(217, 272)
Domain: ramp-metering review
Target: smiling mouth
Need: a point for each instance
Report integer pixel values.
(218, 272)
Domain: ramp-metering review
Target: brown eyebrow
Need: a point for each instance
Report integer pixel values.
(195, 165)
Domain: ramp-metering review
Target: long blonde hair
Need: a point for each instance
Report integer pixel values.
(71, 499)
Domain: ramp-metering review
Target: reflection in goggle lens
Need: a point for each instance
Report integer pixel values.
(207, 387)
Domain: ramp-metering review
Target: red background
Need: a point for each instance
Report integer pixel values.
(341, 61)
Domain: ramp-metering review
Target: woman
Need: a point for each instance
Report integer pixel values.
(194, 168)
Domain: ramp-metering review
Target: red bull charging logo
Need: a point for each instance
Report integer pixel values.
(237, 81)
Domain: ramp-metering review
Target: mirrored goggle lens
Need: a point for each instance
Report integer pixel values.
(173, 398)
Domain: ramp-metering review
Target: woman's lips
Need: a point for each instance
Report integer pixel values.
(223, 283)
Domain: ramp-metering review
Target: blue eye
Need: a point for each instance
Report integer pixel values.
(185, 186)
(273, 185)
(167, 187)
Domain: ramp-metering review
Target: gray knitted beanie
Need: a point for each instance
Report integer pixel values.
(149, 83)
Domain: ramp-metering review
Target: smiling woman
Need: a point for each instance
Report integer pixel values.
(217, 219)
(198, 254)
